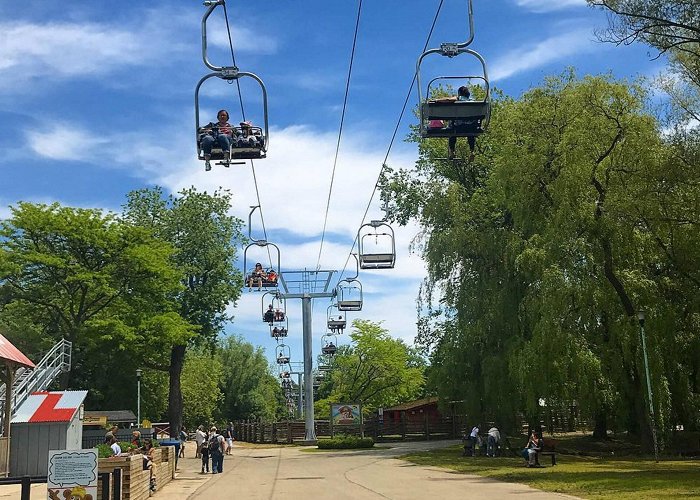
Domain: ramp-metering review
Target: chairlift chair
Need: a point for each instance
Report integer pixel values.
(336, 322)
(373, 254)
(349, 295)
(283, 354)
(329, 344)
(464, 118)
(258, 276)
(242, 150)
(278, 332)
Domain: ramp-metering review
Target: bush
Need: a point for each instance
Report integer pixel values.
(345, 443)
(105, 451)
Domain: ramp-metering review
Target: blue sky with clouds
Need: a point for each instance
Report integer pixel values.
(96, 99)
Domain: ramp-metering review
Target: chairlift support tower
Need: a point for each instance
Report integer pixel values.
(307, 285)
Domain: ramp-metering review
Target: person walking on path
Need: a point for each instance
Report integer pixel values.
(204, 453)
(217, 448)
(200, 437)
(183, 440)
(228, 434)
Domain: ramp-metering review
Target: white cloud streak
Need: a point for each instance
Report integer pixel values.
(549, 5)
(542, 53)
(31, 51)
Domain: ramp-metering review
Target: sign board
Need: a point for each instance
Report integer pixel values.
(101, 421)
(72, 474)
(345, 414)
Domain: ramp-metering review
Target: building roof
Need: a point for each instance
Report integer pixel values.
(57, 406)
(9, 352)
(410, 405)
(115, 416)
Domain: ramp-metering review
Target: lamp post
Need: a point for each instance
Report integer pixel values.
(641, 317)
(138, 397)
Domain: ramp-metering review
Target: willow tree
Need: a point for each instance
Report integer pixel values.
(541, 256)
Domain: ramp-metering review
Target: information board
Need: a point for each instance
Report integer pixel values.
(72, 474)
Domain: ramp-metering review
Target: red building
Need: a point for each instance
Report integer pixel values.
(414, 411)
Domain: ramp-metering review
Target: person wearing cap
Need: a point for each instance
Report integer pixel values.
(249, 136)
(269, 315)
(258, 275)
(220, 133)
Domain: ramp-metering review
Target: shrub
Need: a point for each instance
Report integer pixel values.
(345, 443)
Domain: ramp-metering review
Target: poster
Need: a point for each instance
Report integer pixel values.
(72, 474)
(344, 414)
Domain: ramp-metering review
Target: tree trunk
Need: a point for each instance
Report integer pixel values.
(600, 429)
(177, 361)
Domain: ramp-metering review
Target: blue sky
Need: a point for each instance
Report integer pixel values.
(96, 99)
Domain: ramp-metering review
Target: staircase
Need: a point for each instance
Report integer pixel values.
(30, 380)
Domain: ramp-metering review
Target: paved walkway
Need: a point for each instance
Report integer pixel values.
(289, 473)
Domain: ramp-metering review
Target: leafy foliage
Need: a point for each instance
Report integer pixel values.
(345, 443)
(577, 213)
(376, 369)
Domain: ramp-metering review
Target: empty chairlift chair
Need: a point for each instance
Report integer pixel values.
(349, 295)
(376, 246)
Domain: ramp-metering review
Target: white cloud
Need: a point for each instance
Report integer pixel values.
(31, 51)
(244, 40)
(549, 5)
(293, 183)
(63, 142)
(539, 54)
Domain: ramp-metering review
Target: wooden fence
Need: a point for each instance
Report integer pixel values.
(292, 431)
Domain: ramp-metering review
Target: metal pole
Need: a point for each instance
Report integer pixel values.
(300, 400)
(138, 398)
(310, 434)
(649, 394)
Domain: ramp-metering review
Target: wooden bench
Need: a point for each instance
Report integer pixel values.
(548, 449)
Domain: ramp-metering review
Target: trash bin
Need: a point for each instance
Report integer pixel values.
(172, 442)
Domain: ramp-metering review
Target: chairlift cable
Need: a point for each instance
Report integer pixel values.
(240, 99)
(393, 137)
(233, 60)
(340, 132)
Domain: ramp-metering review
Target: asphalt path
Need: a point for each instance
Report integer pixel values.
(290, 473)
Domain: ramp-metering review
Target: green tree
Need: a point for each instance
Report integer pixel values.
(205, 237)
(103, 284)
(201, 379)
(376, 370)
(542, 250)
(250, 390)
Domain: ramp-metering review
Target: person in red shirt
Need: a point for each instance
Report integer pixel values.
(220, 133)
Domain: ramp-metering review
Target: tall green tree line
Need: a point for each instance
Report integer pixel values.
(578, 213)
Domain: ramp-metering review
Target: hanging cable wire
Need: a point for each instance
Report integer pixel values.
(393, 137)
(240, 99)
(340, 132)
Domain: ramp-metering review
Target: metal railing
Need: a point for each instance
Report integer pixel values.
(55, 362)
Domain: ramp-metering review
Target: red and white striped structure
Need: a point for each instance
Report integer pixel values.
(58, 406)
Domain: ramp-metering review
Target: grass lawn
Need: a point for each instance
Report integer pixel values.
(586, 477)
